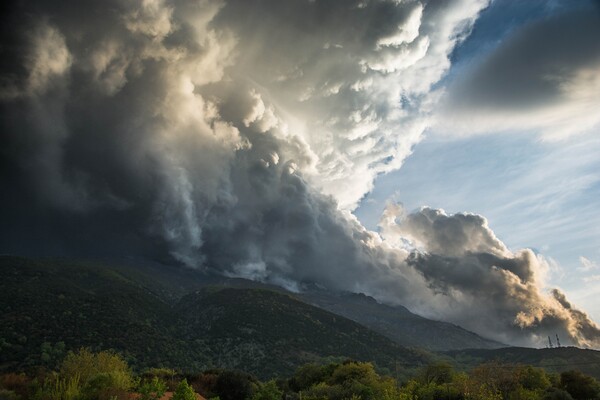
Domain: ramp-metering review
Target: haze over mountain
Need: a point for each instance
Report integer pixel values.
(238, 136)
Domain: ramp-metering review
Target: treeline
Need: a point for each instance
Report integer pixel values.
(85, 375)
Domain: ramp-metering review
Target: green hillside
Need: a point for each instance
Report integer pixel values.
(262, 330)
(158, 318)
(398, 323)
(48, 303)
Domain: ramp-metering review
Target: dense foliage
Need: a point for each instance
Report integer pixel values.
(51, 307)
(57, 320)
(85, 375)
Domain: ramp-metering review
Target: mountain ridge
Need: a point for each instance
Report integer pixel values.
(51, 307)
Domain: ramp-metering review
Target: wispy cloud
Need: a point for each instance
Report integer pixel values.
(587, 265)
(593, 278)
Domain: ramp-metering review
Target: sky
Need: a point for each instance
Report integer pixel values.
(533, 191)
(438, 155)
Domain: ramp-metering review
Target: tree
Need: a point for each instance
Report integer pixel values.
(184, 392)
(98, 375)
(88, 365)
(532, 378)
(495, 379)
(268, 391)
(437, 373)
(309, 375)
(579, 385)
(234, 385)
(556, 394)
(152, 389)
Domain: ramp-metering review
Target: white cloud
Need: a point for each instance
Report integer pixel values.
(587, 265)
(356, 77)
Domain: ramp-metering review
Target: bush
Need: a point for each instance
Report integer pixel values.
(152, 389)
(184, 392)
(88, 366)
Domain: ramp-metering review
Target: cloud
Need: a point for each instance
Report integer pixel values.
(543, 78)
(592, 278)
(235, 136)
(488, 288)
(587, 265)
(356, 77)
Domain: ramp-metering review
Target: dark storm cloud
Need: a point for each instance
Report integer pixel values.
(543, 77)
(224, 135)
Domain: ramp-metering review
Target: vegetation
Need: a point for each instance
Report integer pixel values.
(85, 375)
(87, 332)
(556, 360)
(398, 323)
(184, 392)
(51, 307)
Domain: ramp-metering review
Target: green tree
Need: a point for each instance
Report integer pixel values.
(87, 365)
(556, 394)
(184, 392)
(234, 385)
(152, 389)
(579, 385)
(99, 375)
(531, 378)
(351, 380)
(310, 374)
(268, 391)
(437, 373)
(51, 355)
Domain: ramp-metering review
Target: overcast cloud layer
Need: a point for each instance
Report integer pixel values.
(236, 136)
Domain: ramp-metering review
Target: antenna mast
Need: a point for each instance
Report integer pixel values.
(557, 341)
(550, 342)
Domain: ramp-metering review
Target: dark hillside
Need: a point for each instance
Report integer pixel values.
(399, 324)
(49, 307)
(553, 360)
(250, 328)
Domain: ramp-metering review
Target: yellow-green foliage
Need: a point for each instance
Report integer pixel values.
(152, 389)
(351, 380)
(104, 366)
(87, 375)
(58, 388)
(184, 392)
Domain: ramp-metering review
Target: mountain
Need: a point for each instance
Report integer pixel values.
(395, 322)
(557, 359)
(263, 330)
(184, 319)
(49, 307)
(398, 323)
(49, 304)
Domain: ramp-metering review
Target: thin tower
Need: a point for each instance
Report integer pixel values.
(550, 342)
(557, 341)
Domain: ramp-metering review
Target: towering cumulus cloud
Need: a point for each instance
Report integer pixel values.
(237, 136)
